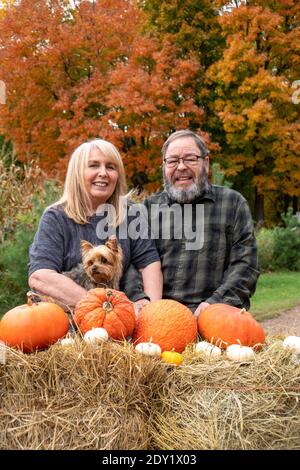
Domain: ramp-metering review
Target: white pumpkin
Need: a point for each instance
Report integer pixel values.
(293, 343)
(236, 352)
(208, 349)
(2, 352)
(96, 335)
(68, 341)
(148, 349)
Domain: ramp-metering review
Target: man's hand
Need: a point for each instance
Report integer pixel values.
(200, 308)
(139, 304)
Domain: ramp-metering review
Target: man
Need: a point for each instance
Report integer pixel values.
(220, 264)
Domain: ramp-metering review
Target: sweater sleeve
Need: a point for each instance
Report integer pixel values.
(47, 249)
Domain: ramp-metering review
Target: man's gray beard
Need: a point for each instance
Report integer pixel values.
(184, 196)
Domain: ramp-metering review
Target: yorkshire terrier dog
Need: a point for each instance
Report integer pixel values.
(101, 265)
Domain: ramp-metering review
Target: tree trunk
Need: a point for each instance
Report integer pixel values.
(286, 202)
(259, 210)
(295, 204)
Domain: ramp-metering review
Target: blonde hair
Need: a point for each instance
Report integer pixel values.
(75, 199)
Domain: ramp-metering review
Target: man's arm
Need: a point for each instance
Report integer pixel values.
(239, 279)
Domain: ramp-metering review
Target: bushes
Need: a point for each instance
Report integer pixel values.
(279, 248)
(14, 250)
(17, 185)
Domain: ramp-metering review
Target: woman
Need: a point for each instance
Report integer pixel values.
(95, 179)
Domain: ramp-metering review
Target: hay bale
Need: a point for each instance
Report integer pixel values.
(109, 397)
(81, 397)
(225, 405)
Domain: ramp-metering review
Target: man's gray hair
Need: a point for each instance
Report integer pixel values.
(186, 133)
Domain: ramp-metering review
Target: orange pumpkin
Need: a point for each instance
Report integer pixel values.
(106, 308)
(167, 323)
(223, 325)
(33, 325)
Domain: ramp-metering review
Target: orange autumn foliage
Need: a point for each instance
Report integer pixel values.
(253, 85)
(85, 69)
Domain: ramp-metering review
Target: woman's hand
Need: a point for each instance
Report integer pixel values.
(139, 304)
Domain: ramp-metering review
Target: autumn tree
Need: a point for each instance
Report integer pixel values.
(77, 70)
(53, 52)
(253, 83)
(193, 26)
(151, 95)
(190, 24)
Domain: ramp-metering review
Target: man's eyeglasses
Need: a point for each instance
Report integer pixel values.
(189, 160)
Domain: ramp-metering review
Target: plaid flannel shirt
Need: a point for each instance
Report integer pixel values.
(225, 267)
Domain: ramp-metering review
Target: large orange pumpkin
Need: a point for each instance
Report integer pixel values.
(33, 325)
(106, 308)
(223, 325)
(167, 323)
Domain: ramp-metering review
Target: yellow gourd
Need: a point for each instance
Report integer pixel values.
(172, 357)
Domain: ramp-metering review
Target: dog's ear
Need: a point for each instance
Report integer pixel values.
(112, 243)
(85, 246)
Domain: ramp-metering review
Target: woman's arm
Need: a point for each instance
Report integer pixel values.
(153, 280)
(59, 287)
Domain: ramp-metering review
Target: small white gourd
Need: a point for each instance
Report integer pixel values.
(96, 335)
(148, 349)
(236, 352)
(2, 352)
(208, 349)
(67, 341)
(293, 343)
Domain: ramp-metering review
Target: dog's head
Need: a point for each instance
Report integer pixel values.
(102, 263)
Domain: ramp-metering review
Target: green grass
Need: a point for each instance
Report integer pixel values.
(275, 293)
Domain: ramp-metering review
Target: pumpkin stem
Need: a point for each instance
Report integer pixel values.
(31, 295)
(107, 305)
(29, 298)
(243, 310)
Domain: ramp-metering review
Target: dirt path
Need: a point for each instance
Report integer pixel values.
(288, 323)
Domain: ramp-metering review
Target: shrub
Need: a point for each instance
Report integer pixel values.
(17, 184)
(279, 248)
(265, 245)
(14, 250)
